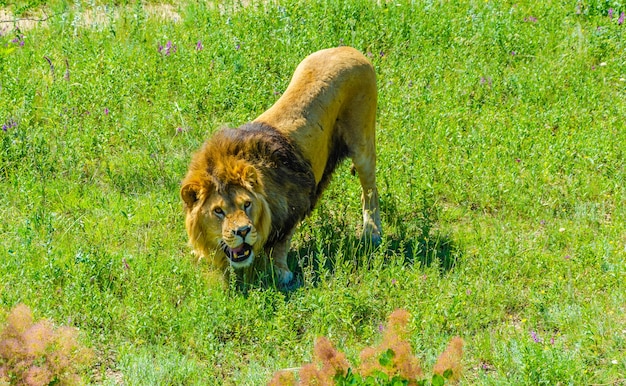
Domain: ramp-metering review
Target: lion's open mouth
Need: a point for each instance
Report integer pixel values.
(238, 254)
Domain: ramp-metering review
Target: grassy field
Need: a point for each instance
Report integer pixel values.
(501, 147)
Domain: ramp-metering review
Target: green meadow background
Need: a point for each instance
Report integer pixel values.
(501, 167)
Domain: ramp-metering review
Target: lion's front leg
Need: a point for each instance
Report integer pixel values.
(278, 255)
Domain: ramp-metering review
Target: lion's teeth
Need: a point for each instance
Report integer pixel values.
(246, 253)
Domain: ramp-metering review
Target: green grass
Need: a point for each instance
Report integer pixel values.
(501, 132)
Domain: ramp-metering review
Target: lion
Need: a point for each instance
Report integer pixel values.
(248, 188)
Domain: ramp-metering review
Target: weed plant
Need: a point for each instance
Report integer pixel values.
(390, 363)
(37, 354)
(501, 131)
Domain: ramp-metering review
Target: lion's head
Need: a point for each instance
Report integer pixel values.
(245, 191)
(227, 216)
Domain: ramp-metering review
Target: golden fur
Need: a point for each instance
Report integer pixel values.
(248, 188)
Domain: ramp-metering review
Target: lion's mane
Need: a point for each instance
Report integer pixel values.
(284, 179)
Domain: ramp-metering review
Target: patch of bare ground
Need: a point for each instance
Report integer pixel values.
(97, 16)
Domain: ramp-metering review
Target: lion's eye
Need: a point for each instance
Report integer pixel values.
(247, 204)
(218, 211)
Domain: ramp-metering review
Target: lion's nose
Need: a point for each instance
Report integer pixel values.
(243, 231)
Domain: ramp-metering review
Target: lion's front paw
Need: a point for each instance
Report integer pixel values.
(371, 236)
(284, 275)
(371, 240)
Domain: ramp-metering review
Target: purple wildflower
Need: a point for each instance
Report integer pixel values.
(611, 13)
(513, 53)
(393, 281)
(237, 47)
(382, 54)
(567, 257)
(536, 338)
(620, 21)
(530, 19)
(11, 123)
(381, 327)
(168, 49)
(19, 40)
(199, 46)
(106, 111)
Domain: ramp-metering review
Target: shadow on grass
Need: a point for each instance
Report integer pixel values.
(412, 237)
(415, 234)
(417, 237)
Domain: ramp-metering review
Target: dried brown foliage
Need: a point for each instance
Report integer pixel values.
(402, 363)
(36, 354)
(283, 378)
(392, 357)
(327, 363)
(450, 359)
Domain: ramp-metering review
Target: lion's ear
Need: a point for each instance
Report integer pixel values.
(190, 194)
(252, 178)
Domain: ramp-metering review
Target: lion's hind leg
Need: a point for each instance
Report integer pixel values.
(357, 124)
(364, 163)
(372, 228)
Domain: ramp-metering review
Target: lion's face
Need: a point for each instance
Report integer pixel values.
(227, 216)
(228, 225)
(232, 219)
